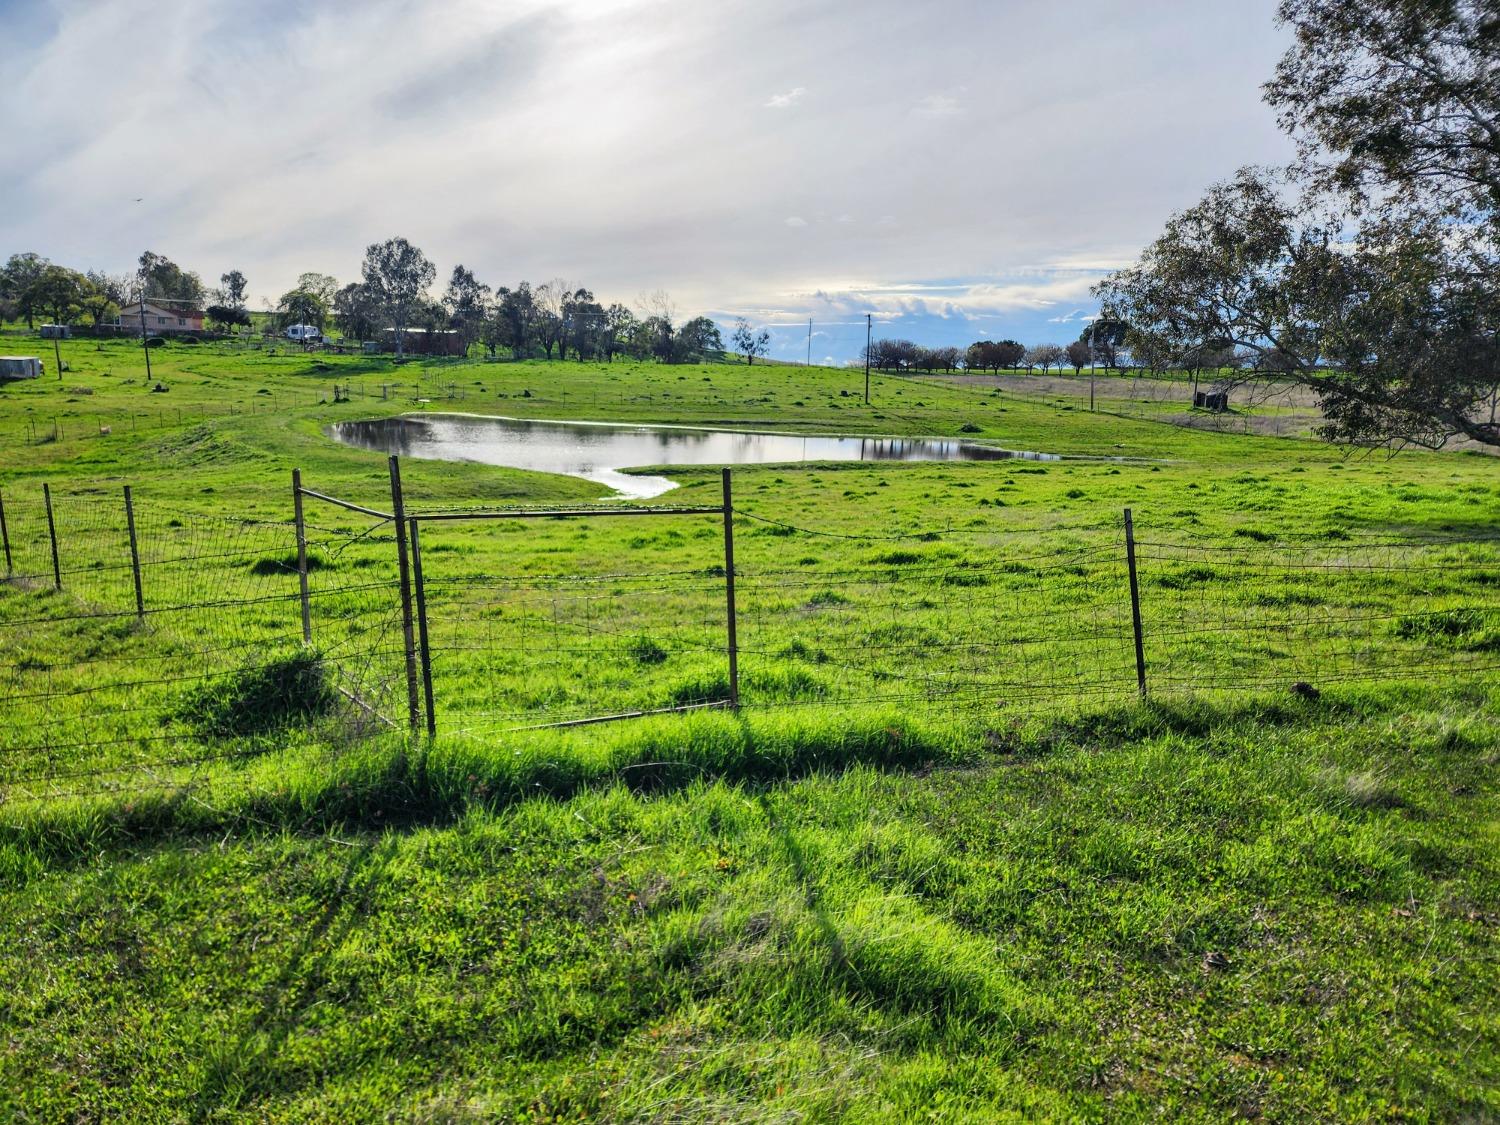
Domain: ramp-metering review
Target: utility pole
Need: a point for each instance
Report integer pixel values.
(867, 359)
(57, 356)
(144, 346)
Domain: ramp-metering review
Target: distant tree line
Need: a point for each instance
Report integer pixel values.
(392, 299)
(1097, 347)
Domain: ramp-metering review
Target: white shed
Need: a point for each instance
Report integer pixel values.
(20, 367)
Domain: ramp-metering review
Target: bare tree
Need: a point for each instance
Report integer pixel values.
(1044, 356)
(750, 342)
(551, 296)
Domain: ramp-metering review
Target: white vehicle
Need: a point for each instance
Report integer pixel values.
(306, 333)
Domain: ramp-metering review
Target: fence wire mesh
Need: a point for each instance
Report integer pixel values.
(102, 694)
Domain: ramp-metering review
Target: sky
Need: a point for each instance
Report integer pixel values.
(958, 170)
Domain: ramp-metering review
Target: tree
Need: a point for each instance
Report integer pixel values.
(227, 317)
(432, 316)
(396, 275)
(895, 355)
(1375, 287)
(104, 295)
(550, 298)
(946, 357)
(619, 324)
(17, 280)
(356, 311)
(516, 316)
(164, 280)
(749, 342)
(660, 316)
(1395, 326)
(58, 293)
(697, 340)
(1105, 337)
(583, 321)
(1078, 353)
(1396, 98)
(1043, 356)
(651, 338)
(231, 291)
(320, 285)
(1009, 353)
(469, 302)
(301, 306)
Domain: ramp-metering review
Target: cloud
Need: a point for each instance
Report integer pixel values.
(543, 138)
(938, 105)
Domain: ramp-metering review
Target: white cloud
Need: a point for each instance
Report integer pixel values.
(786, 100)
(541, 138)
(939, 105)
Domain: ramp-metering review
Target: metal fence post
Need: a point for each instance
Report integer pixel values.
(135, 556)
(413, 706)
(416, 573)
(5, 535)
(52, 535)
(1135, 606)
(301, 555)
(734, 648)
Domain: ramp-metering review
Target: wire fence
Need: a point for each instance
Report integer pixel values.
(141, 645)
(1263, 405)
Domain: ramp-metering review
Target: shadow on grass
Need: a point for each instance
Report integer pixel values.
(392, 782)
(237, 1069)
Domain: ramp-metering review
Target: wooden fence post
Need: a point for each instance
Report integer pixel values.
(734, 648)
(301, 555)
(398, 509)
(416, 573)
(1135, 606)
(52, 535)
(135, 556)
(5, 535)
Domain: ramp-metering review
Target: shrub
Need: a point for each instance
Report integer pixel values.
(287, 564)
(1467, 627)
(644, 650)
(260, 698)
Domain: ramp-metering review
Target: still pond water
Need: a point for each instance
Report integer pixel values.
(597, 451)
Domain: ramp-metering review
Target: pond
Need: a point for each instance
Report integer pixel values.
(597, 451)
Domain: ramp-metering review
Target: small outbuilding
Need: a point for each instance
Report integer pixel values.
(56, 332)
(20, 367)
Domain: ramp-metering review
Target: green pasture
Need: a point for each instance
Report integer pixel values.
(942, 865)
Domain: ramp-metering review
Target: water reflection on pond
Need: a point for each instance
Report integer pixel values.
(597, 451)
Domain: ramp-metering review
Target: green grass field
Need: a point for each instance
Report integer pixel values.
(942, 865)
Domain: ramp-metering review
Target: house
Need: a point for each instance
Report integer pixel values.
(160, 319)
